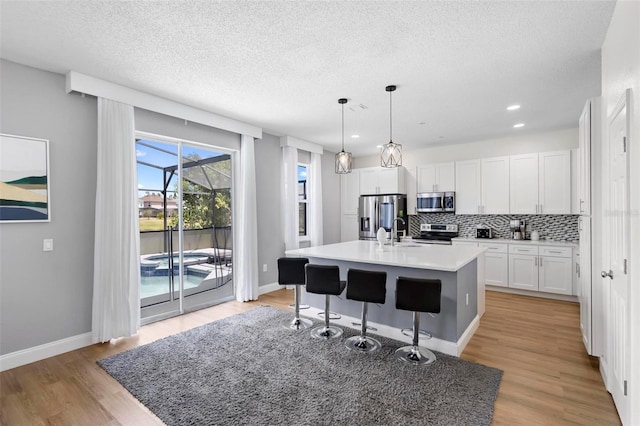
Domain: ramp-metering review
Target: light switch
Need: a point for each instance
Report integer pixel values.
(264, 267)
(47, 244)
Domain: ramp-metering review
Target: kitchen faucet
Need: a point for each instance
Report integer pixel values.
(395, 226)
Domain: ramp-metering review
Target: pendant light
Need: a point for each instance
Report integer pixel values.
(343, 159)
(391, 154)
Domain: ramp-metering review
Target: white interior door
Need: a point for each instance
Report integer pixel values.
(618, 316)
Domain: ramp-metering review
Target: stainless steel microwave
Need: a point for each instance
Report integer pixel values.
(434, 202)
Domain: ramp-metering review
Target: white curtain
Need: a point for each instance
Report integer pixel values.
(116, 270)
(315, 195)
(245, 256)
(289, 176)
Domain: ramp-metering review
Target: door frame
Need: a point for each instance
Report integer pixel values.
(621, 401)
(199, 300)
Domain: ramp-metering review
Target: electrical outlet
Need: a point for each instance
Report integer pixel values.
(264, 267)
(467, 299)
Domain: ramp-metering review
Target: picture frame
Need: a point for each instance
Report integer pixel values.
(25, 182)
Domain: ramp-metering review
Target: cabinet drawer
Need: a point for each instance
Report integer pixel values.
(464, 243)
(555, 251)
(494, 248)
(522, 249)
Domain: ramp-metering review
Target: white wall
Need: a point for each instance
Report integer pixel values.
(621, 70)
(46, 296)
(522, 144)
(270, 235)
(330, 199)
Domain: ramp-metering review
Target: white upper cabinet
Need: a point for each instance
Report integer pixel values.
(588, 131)
(554, 182)
(382, 180)
(368, 181)
(541, 183)
(438, 177)
(468, 187)
(524, 184)
(350, 191)
(495, 185)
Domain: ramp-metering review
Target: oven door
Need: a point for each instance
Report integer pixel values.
(430, 202)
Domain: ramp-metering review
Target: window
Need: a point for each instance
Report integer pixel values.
(303, 199)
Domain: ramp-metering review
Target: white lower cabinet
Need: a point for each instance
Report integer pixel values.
(524, 266)
(546, 268)
(523, 272)
(556, 275)
(496, 262)
(556, 270)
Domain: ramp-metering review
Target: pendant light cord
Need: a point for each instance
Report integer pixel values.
(342, 127)
(390, 120)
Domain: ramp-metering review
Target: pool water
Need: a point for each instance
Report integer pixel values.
(154, 286)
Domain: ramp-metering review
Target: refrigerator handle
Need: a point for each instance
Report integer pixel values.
(376, 216)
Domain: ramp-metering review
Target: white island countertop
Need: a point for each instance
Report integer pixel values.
(447, 258)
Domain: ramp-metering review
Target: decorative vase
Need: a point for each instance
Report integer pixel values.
(381, 236)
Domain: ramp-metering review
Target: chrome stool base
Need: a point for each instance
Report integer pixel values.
(415, 355)
(302, 306)
(362, 344)
(324, 332)
(297, 324)
(332, 315)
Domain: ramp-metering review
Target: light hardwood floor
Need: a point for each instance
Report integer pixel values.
(548, 377)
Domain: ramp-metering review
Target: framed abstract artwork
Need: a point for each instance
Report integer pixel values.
(24, 179)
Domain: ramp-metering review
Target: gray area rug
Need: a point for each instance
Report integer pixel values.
(248, 369)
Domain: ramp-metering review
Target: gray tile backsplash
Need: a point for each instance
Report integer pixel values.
(550, 227)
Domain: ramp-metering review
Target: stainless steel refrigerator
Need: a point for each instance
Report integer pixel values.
(380, 211)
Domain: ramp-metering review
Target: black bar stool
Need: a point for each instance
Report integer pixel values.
(417, 295)
(291, 272)
(365, 286)
(325, 279)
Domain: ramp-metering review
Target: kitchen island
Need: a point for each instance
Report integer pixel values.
(455, 266)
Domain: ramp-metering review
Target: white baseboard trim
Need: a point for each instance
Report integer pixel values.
(268, 288)
(553, 296)
(444, 346)
(47, 350)
(468, 334)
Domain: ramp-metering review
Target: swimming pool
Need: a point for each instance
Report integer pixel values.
(154, 272)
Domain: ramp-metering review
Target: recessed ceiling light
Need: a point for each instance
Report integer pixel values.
(355, 136)
(518, 125)
(513, 107)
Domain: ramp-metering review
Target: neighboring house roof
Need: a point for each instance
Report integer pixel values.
(156, 201)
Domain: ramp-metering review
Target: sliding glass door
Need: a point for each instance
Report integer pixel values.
(186, 233)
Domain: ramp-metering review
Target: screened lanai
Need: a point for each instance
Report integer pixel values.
(203, 191)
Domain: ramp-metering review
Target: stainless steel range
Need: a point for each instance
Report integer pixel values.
(436, 233)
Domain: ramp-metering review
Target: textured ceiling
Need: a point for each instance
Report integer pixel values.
(283, 65)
